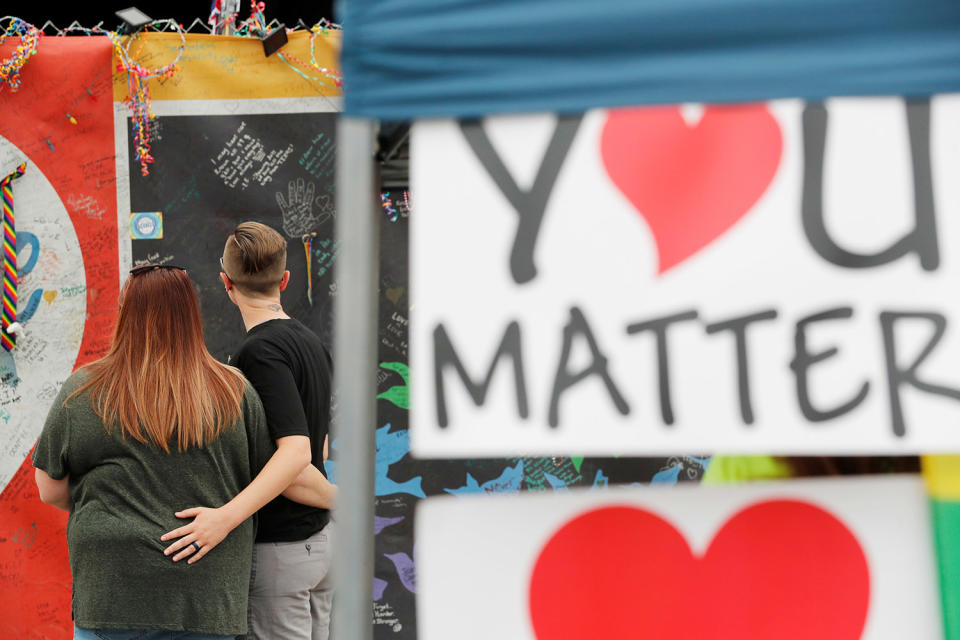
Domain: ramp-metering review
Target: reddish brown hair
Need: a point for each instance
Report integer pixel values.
(158, 382)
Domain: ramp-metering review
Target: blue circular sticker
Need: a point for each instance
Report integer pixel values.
(146, 225)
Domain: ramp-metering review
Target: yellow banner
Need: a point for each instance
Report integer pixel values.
(229, 68)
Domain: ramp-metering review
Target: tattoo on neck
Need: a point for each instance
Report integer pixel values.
(275, 307)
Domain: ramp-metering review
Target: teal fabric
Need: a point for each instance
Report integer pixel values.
(405, 59)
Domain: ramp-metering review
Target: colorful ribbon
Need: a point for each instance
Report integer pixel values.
(388, 207)
(256, 26)
(9, 316)
(308, 249)
(29, 37)
(138, 89)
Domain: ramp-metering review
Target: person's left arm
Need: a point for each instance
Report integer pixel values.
(51, 453)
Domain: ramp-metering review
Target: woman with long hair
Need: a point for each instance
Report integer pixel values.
(155, 424)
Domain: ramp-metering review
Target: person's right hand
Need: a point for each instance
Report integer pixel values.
(196, 539)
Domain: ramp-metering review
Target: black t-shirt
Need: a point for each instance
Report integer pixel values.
(291, 370)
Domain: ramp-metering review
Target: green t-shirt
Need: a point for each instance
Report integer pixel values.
(123, 496)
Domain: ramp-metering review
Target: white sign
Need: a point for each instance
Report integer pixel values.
(794, 560)
(770, 278)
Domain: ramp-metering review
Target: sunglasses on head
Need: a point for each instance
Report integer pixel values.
(150, 267)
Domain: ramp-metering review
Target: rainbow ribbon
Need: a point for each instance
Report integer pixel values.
(308, 249)
(9, 340)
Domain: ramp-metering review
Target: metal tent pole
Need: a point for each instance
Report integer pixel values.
(355, 366)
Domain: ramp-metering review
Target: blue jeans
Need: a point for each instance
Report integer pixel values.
(142, 634)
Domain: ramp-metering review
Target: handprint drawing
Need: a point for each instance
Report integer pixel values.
(299, 216)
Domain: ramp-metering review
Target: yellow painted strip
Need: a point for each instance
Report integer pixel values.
(231, 68)
(942, 476)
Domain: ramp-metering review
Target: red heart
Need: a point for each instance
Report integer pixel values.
(780, 569)
(691, 183)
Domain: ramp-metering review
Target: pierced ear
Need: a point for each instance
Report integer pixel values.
(285, 280)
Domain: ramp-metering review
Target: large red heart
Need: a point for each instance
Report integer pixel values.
(782, 569)
(691, 184)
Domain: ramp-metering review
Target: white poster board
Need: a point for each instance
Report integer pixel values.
(841, 559)
(771, 278)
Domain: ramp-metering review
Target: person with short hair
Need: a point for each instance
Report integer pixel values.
(288, 365)
(155, 423)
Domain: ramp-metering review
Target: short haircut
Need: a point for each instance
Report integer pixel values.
(255, 257)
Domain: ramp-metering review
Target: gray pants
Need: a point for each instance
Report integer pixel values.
(290, 594)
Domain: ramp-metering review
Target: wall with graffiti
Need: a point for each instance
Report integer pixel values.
(64, 206)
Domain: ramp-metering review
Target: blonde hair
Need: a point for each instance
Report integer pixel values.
(158, 382)
(255, 257)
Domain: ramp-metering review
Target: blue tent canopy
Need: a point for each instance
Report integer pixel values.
(405, 59)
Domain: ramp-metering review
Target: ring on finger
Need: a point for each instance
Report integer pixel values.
(195, 545)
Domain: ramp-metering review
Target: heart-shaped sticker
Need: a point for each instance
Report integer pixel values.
(394, 294)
